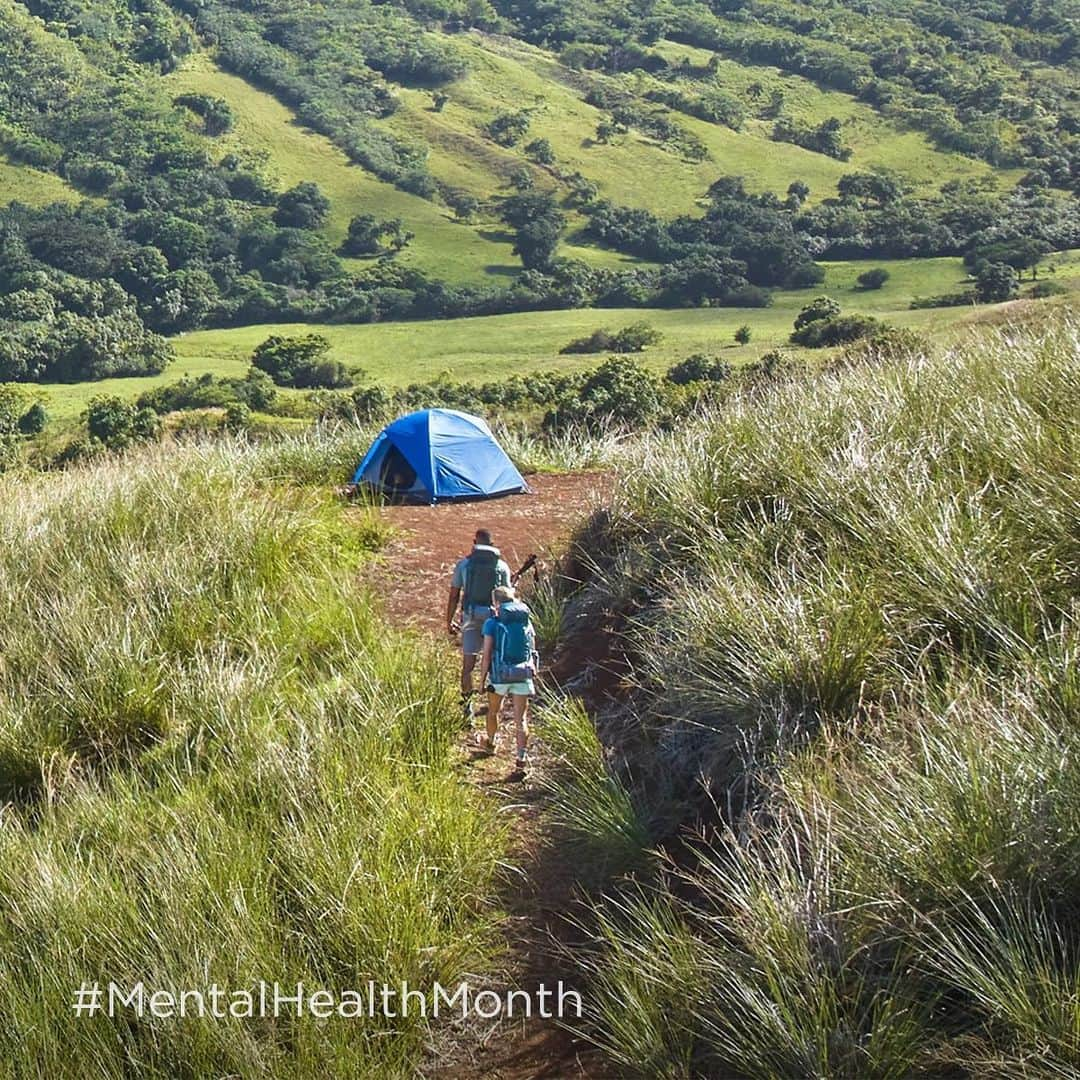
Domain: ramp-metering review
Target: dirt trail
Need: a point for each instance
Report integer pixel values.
(429, 541)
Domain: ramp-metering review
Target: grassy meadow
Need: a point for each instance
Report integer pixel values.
(493, 347)
(845, 616)
(20, 183)
(218, 764)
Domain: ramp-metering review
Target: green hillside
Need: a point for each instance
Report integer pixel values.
(171, 168)
(267, 131)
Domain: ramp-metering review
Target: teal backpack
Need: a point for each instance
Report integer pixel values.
(481, 573)
(514, 656)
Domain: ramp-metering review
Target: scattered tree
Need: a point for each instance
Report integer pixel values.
(302, 207)
(301, 362)
(116, 423)
(699, 368)
(874, 278)
(634, 338)
(369, 236)
(541, 152)
(996, 282)
(821, 307)
(508, 129)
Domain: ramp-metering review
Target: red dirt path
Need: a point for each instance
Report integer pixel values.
(431, 539)
(428, 542)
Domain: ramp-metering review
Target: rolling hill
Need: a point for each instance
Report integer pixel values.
(213, 168)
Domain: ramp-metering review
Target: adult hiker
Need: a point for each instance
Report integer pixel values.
(508, 664)
(475, 578)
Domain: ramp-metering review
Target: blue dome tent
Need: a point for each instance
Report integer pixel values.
(439, 454)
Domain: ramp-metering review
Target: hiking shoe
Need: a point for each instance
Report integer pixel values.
(484, 746)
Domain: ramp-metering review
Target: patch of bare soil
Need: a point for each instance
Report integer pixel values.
(431, 539)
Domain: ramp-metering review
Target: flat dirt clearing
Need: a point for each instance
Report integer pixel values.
(414, 569)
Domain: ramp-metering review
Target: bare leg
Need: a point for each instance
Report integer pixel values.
(494, 704)
(468, 665)
(521, 724)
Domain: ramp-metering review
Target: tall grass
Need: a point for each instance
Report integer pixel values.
(221, 768)
(849, 610)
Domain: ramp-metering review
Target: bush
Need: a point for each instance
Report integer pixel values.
(370, 236)
(743, 334)
(872, 279)
(508, 128)
(996, 282)
(838, 330)
(620, 391)
(301, 362)
(821, 307)
(302, 207)
(699, 368)
(957, 299)
(237, 416)
(1042, 290)
(540, 150)
(116, 424)
(633, 338)
(34, 420)
(887, 344)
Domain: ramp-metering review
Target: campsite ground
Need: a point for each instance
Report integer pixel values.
(414, 569)
(412, 577)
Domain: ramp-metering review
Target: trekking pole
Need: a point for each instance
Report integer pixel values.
(526, 566)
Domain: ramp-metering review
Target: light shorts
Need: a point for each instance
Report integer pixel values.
(521, 689)
(472, 630)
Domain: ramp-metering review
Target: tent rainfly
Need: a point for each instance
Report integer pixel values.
(439, 454)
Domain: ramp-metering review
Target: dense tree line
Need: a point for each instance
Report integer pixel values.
(870, 215)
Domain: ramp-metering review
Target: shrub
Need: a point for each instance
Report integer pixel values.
(872, 279)
(1041, 290)
(699, 368)
(996, 282)
(620, 391)
(117, 424)
(301, 362)
(957, 299)
(34, 420)
(821, 307)
(302, 207)
(508, 128)
(540, 150)
(370, 236)
(838, 330)
(633, 338)
(237, 416)
(743, 334)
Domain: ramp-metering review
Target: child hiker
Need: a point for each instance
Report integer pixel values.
(509, 662)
